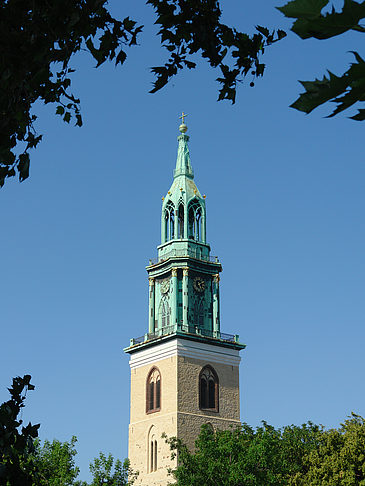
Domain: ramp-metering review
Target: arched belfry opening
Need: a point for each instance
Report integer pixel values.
(195, 216)
(180, 216)
(169, 221)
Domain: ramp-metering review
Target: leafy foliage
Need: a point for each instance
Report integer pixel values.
(56, 467)
(107, 473)
(262, 457)
(191, 26)
(38, 40)
(25, 462)
(56, 464)
(339, 458)
(344, 90)
(291, 456)
(17, 467)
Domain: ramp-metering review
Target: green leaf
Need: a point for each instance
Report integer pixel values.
(78, 120)
(121, 57)
(311, 23)
(331, 24)
(360, 115)
(348, 99)
(97, 55)
(190, 64)
(263, 30)
(60, 110)
(23, 166)
(319, 92)
(344, 90)
(303, 9)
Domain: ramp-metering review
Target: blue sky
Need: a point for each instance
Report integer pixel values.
(285, 207)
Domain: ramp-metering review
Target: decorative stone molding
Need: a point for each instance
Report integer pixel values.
(165, 285)
(151, 281)
(187, 348)
(174, 272)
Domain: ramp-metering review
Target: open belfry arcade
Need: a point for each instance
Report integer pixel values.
(184, 370)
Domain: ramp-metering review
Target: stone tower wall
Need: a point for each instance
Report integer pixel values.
(180, 362)
(190, 417)
(164, 421)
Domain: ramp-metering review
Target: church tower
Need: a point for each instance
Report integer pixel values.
(184, 370)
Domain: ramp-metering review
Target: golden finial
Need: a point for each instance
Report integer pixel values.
(163, 198)
(181, 189)
(183, 128)
(204, 196)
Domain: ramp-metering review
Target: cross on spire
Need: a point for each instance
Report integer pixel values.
(183, 115)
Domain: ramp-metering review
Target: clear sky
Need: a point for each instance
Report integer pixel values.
(285, 208)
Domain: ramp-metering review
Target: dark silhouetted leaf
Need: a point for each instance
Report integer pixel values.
(303, 9)
(360, 116)
(23, 167)
(121, 57)
(345, 90)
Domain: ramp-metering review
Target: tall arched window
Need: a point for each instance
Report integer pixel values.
(195, 220)
(180, 215)
(169, 221)
(153, 391)
(152, 450)
(208, 389)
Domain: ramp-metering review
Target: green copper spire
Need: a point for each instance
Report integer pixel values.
(184, 279)
(183, 165)
(183, 209)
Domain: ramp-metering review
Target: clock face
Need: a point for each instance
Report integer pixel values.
(165, 286)
(199, 284)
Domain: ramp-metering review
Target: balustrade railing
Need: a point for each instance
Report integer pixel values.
(165, 331)
(138, 340)
(198, 255)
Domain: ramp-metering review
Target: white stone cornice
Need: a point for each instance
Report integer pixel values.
(187, 348)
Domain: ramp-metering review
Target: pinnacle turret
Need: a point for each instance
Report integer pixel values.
(183, 164)
(183, 208)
